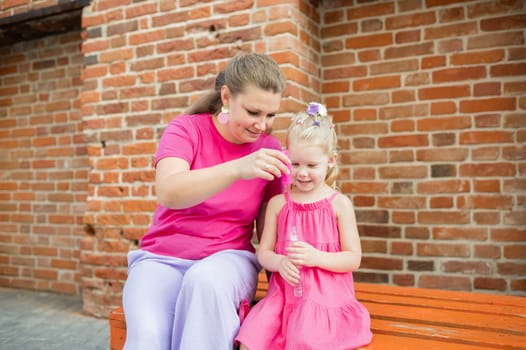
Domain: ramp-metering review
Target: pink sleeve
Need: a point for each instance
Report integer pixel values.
(177, 141)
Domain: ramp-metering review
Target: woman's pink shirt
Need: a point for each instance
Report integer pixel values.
(224, 221)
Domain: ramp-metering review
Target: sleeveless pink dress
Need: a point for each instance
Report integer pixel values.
(327, 316)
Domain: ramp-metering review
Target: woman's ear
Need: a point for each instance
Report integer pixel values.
(225, 95)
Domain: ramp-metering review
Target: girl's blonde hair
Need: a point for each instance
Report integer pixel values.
(316, 127)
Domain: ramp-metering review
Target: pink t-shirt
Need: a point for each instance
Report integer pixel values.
(223, 221)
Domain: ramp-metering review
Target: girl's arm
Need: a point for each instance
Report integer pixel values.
(179, 187)
(266, 254)
(349, 258)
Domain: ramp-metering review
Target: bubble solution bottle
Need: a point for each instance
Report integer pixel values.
(286, 181)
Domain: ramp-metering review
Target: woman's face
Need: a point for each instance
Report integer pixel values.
(251, 112)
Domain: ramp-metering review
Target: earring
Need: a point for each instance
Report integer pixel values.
(223, 116)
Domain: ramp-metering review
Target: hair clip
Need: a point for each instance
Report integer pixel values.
(316, 110)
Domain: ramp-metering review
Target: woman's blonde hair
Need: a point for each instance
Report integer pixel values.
(316, 127)
(244, 69)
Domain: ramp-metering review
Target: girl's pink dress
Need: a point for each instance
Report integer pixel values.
(327, 316)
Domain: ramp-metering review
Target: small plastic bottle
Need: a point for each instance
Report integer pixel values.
(293, 232)
(298, 288)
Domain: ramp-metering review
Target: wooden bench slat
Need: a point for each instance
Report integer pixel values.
(397, 342)
(452, 295)
(446, 304)
(449, 334)
(425, 314)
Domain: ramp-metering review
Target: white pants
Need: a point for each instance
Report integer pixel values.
(178, 304)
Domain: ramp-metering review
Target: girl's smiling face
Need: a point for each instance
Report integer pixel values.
(251, 112)
(310, 164)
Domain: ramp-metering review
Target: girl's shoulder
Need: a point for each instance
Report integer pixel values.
(276, 202)
(341, 202)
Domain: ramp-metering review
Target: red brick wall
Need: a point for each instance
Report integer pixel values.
(430, 96)
(429, 100)
(43, 164)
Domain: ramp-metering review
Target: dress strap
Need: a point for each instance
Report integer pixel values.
(333, 196)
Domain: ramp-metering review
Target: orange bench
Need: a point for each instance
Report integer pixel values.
(417, 318)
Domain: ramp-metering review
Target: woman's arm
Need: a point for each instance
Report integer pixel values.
(302, 253)
(179, 187)
(260, 221)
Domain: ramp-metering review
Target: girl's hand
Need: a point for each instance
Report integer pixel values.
(289, 272)
(303, 254)
(264, 163)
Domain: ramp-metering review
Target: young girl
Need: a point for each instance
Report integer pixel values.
(310, 302)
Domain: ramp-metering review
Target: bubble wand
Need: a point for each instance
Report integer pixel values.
(286, 181)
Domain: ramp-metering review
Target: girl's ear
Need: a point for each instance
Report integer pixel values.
(332, 159)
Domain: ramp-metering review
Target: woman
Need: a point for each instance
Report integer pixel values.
(216, 167)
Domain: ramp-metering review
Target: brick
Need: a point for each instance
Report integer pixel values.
(402, 126)
(403, 141)
(401, 248)
(408, 37)
(367, 41)
(398, 202)
(503, 70)
(487, 169)
(403, 218)
(444, 92)
(409, 51)
(450, 30)
(421, 265)
(417, 233)
(433, 62)
(486, 218)
(381, 263)
(477, 57)
(485, 137)
(443, 108)
(412, 20)
(493, 284)
(494, 40)
(491, 186)
(460, 233)
(379, 231)
(403, 111)
(458, 74)
(444, 155)
(372, 10)
(503, 23)
(402, 172)
(466, 267)
(485, 202)
(379, 83)
(403, 280)
(487, 251)
(518, 284)
(515, 252)
(510, 268)
(444, 282)
(336, 30)
(443, 217)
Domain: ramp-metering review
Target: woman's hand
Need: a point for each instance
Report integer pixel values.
(265, 163)
(303, 254)
(289, 271)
